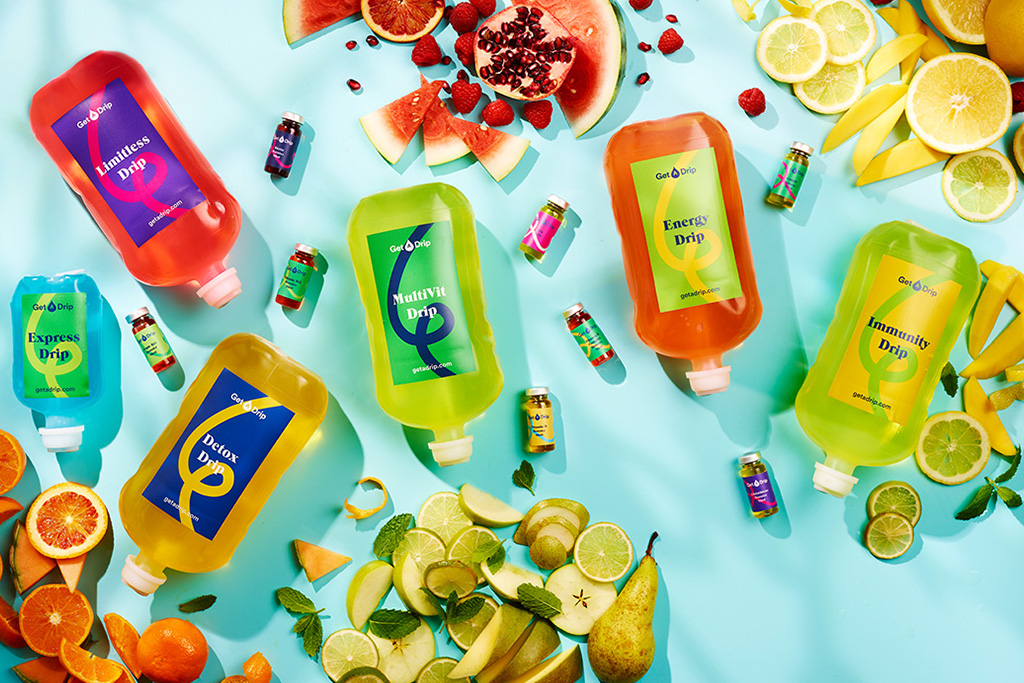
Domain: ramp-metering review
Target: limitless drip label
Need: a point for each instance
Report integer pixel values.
(687, 231)
(56, 363)
(282, 150)
(542, 231)
(421, 303)
(894, 340)
(217, 454)
(127, 161)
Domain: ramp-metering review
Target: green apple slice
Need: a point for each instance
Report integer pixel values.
(485, 509)
(408, 579)
(583, 600)
(367, 588)
(537, 642)
(506, 581)
(401, 659)
(479, 653)
(565, 667)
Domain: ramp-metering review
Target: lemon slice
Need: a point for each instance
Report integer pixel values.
(959, 102)
(1018, 147)
(888, 535)
(953, 448)
(465, 633)
(442, 514)
(832, 90)
(465, 544)
(895, 496)
(792, 49)
(603, 552)
(345, 650)
(980, 186)
(959, 20)
(849, 29)
(437, 670)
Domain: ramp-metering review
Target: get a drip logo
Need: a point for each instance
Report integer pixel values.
(94, 114)
(54, 339)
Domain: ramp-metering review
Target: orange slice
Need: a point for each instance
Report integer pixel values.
(53, 613)
(66, 520)
(41, 670)
(402, 21)
(10, 632)
(87, 667)
(352, 512)
(257, 669)
(12, 462)
(125, 640)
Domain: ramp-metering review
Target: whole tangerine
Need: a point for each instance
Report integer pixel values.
(172, 651)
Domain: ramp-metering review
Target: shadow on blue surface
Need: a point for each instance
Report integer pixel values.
(290, 185)
(172, 378)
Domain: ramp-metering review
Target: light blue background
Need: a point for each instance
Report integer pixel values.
(792, 598)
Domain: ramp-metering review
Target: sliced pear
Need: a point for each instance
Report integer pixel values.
(408, 579)
(486, 510)
(538, 641)
(506, 581)
(570, 510)
(547, 552)
(367, 588)
(402, 658)
(583, 600)
(565, 667)
(546, 523)
(513, 622)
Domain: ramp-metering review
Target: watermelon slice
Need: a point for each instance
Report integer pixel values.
(593, 81)
(391, 127)
(28, 565)
(317, 561)
(497, 151)
(441, 143)
(306, 17)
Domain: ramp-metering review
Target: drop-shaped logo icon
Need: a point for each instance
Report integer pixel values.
(917, 286)
(52, 307)
(675, 172)
(93, 115)
(409, 245)
(247, 406)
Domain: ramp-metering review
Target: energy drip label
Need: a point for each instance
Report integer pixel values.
(127, 161)
(591, 340)
(56, 363)
(542, 428)
(217, 454)
(760, 492)
(791, 177)
(295, 280)
(421, 303)
(894, 340)
(687, 230)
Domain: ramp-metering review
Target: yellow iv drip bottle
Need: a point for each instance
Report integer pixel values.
(241, 423)
(906, 297)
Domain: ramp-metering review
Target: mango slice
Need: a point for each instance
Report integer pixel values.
(1016, 296)
(892, 53)
(745, 10)
(903, 157)
(934, 47)
(864, 111)
(990, 305)
(978, 406)
(909, 23)
(875, 134)
(1007, 349)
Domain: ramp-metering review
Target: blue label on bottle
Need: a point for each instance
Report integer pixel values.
(282, 150)
(217, 455)
(127, 161)
(760, 492)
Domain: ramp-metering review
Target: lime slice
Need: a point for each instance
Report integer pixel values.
(953, 448)
(364, 674)
(345, 650)
(1007, 396)
(437, 670)
(895, 496)
(466, 542)
(485, 509)
(980, 186)
(832, 90)
(888, 535)
(1018, 147)
(959, 102)
(1015, 373)
(464, 633)
(849, 29)
(791, 49)
(441, 578)
(603, 552)
(442, 514)
(424, 545)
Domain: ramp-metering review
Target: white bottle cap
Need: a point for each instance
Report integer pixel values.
(62, 439)
(454, 452)
(713, 381)
(221, 289)
(832, 481)
(138, 579)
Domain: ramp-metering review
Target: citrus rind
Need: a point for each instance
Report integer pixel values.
(888, 535)
(66, 520)
(402, 21)
(895, 496)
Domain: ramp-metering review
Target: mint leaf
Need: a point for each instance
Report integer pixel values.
(466, 610)
(1008, 474)
(543, 603)
(294, 601)
(391, 534)
(313, 636)
(393, 623)
(485, 550)
(496, 561)
(978, 504)
(203, 602)
(524, 477)
(1009, 496)
(302, 624)
(436, 603)
(450, 604)
(950, 380)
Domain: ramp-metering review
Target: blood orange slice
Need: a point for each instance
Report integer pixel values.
(12, 462)
(87, 667)
(402, 21)
(66, 520)
(53, 613)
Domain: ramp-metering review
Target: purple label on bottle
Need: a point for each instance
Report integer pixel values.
(542, 231)
(760, 492)
(282, 150)
(127, 161)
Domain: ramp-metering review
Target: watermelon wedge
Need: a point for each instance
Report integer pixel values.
(316, 561)
(306, 17)
(391, 127)
(497, 151)
(441, 143)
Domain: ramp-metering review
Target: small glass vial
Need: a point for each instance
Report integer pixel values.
(151, 340)
(284, 144)
(549, 219)
(758, 485)
(296, 276)
(540, 421)
(588, 335)
(791, 176)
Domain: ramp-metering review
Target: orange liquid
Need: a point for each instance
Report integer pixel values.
(700, 333)
(195, 245)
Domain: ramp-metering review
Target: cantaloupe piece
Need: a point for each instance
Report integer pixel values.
(316, 561)
(8, 508)
(28, 565)
(41, 670)
(71, 569)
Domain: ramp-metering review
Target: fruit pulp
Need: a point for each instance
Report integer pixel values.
(678, 209)
(144, 170)
(903, 304)
(241, 424)
(415, 255)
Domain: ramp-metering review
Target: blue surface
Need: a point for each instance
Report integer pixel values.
(792, 598)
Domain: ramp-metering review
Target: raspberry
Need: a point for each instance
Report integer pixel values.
(1017, 93)
(538, 113)
(485, 7)
(426, 52)
(498, 113)
(351, 45)
(670, 41)
(752, 101)
(464, 47)
(640, 4)
(643, 78)
(464, 17)
(465, 96)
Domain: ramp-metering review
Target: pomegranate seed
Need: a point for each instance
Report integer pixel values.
(372, 41)
(671, 18)
(645, 47)
(462, 75)
(351, 44)
(643, 78)
(354, 85)
(446, 60)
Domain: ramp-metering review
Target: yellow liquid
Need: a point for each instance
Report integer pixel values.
(164, 541)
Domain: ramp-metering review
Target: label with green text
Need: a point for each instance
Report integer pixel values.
(56, 363)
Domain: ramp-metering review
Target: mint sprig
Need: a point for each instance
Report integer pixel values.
(391, 534)
(308, 625)
(543, 603)
(393, 624)
(524, 477)
(978, 503)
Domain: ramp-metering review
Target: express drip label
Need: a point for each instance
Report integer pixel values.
(56, 363)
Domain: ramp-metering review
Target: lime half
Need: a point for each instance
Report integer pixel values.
(442, 514)
(364, 674)
(849, 29)
(466, 542)
(464, 633)
(346, 650)
(834, 89)
(980, 186)
(888, 535)
(603, 552)
(441, 578)
(953, 448)
(895, 496)
(437, 670)
(792, 49)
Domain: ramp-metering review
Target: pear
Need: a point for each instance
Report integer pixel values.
(621, 643)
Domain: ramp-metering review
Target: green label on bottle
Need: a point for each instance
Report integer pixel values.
(789, 179)
(295, 280)
(591, 339)
(56, 363)
(153, 344)
(421, 303)
(687, 230)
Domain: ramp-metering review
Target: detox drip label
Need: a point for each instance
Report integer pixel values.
(56, 363)
(687, 230)
(217, 454)
(129, 164)
(421, 303)
(542, 426)
(894, 340)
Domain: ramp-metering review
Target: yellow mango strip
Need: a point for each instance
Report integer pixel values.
(1015, 373)
(1007, 349)
(864, 111)
(1016, 297)
(909, 23)
(875, 134)
(978, 406)
(901, 158)
(745, 10)
(990, 305)
(935, 47)
(358, 513)
(892, 53)
(1007, 396)
(798, 8)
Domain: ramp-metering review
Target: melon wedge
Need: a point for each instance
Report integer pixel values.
(306, 17)
(71, 569)
(391, 127)
(8, 508)
(41, 670)
(316, 561)
(497, 151)
(28, 565)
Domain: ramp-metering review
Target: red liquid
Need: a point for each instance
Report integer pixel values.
(143, 323)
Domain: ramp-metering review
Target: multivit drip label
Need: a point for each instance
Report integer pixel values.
(421, 302)
(217, 455)
(56, 349)
(127, 161)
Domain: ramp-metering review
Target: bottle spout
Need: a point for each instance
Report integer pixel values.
(141, 576)
(832, 481)
(60, 435)
(220, 289)
(451, 446)
(709, 376)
